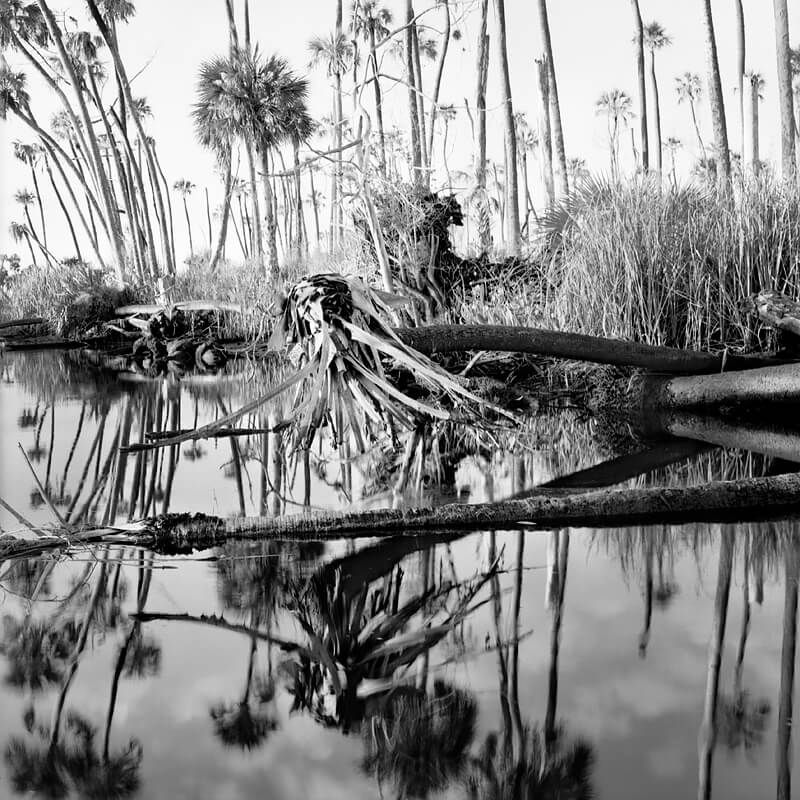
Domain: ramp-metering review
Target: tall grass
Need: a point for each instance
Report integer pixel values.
(670, 265)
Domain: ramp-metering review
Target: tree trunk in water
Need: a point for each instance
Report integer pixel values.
(719, 501)
(786, 692)
(716, 101)
(555, 106)
(708, 731)
(639, 42)
(785, 99)
(512, 186)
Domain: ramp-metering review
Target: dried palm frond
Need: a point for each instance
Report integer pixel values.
(337, 333)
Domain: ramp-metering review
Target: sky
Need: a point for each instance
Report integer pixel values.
(593, 52)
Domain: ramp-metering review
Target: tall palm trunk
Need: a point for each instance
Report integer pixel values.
(423, 145)
(754, 156)
(337, 207)
(413, 107)
(38, 200)
(272, 224)
(555, 106)
(637, 19)
(484, 218)
(63, 206)
(741, 51)
(785, 99)
(786, 692)
(208, 219)
(439, 72)
(716, 100)
(376, 84)
(258, 236)
(188, 226)
(314, 203)
(708, 731)
(512, 183)
(115, 229)
(226, 213)
(656, 111)
(545, 128)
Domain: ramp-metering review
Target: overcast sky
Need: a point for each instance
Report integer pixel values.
(167, 39)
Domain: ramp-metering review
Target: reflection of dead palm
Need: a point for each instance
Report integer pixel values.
(565, 773)
(742, 721)
(71, 767)
(419, 741)
(247, 722)
(36, 652)
(359, 642)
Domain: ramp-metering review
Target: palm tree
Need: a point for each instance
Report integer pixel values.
(447, 113)
(673, 144)
(690, 90)
(512, 186)
(616, 106)
(639, 43)
(527, 140)
(19, 232)
(545, 127)
(30, 154)
(755, 85)
(184, 188)
(577, 169)
(794, 65)
(555, 107)
(783, 51)
(335, 53)
(372, 22)
(722, 155)
(655, 38)
(261, 102)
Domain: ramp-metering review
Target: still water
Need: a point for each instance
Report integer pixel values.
(557, 664)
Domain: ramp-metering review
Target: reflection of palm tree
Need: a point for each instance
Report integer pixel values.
(565, 773)
(421, 742)
(73, 768)
(788, 648)
(240, 724)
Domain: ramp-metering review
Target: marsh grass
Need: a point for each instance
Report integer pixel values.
(672, 265)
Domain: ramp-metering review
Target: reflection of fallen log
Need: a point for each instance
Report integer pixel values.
(754, 498)
(756, 436)
(432, 339)
(777, 384)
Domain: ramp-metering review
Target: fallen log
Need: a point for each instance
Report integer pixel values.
(756, 436)
(777, 384)
(431, 339)
(720, 501)
(20, 323)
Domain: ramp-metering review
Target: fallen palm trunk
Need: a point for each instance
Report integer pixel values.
(777, 384)
(19, 323)
(754, 498)
(432, 339)
(754, 436)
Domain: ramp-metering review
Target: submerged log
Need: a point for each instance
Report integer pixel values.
(432, 339)
(754, 498)
(20, 323)
(777, 384)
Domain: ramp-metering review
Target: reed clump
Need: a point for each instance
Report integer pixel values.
(670, 265)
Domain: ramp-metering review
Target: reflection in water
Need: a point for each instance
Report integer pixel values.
(487, 666)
